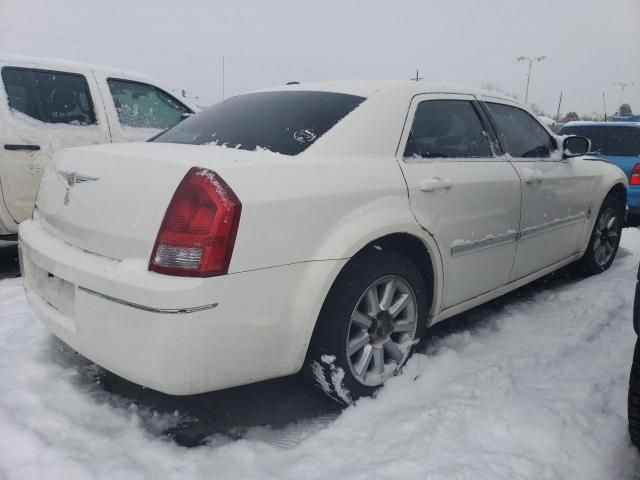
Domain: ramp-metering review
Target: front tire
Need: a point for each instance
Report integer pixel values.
(368, 327)
(605, 238)
(633, 404)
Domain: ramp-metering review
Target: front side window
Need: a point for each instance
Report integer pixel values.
(286, 122)
(447, 129)
(608, 140)
(51, 97)
(523, 135)
(144, 106)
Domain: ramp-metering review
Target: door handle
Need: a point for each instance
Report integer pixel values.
(434, 184)
(533, 179)
(22, 147)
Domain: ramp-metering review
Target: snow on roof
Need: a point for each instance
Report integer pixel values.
(365, 88)
(546, 120)
(60, 64)
(587, 123)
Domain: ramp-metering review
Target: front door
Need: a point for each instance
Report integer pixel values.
(138, 110)
(462, 191)
(42, 111)
(554, 194)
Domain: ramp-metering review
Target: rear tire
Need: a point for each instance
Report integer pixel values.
(369, 325)
(633, 404)
(605, 238)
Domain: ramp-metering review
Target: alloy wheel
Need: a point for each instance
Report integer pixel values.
(606, 236)
(382, 330)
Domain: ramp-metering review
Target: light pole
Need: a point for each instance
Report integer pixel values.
(622, 86)
(530, 60)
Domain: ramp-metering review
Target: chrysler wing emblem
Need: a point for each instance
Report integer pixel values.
(74, 178)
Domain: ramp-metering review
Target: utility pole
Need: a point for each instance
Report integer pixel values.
(223, 77)
(417, 77)
(558, 112)
(622, 86)
(530, 60)
(604, 106)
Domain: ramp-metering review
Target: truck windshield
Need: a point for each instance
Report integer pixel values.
(615, 141)
(286, 122)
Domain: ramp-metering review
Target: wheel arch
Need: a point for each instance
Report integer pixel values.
(420, 249)
(619, 191)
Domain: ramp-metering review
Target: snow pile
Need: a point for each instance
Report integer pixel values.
(536, 391)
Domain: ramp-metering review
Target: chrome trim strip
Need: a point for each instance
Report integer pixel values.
(146, 308)
(552, 225)
(528, 232)
(482, 244)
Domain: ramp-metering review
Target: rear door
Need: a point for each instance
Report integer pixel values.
(462, 191)
(554, 191)
(42, 110)
(138, 110)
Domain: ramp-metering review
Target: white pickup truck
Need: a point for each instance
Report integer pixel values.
(48, 104)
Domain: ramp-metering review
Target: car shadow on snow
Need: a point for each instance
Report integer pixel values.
(278, 405)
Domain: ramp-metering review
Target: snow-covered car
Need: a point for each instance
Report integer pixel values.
(320, 227)
(47, 104)
(634, 379)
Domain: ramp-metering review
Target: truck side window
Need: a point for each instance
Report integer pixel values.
(144, 106)
(49, 96)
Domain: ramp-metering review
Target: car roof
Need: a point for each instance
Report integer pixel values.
(366, 88)
(584, 123)
(62, 64)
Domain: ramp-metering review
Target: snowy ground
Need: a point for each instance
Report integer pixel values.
(536, 390)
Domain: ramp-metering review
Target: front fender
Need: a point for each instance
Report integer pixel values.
(607, 176)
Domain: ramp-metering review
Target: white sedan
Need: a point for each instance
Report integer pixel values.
(321, 227)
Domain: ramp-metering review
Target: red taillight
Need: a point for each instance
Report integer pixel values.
(635, 175)
(199, 229)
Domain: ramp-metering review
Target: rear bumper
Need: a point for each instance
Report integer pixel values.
(172, 334)
(633, 199)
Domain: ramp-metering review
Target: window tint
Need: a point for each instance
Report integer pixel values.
(285, 122)
(523, 135)
(52, 97)
(447, 128)
(614, 140)
(144, 106)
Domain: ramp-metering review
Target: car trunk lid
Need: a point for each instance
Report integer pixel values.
(111, 199)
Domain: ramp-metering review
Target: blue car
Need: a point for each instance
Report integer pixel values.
(617, 143)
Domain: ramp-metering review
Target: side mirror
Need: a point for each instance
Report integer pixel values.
(575, 146)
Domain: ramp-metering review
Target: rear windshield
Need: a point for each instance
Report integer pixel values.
(613, 141)
(282, 122)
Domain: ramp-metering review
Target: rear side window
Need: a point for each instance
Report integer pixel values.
(144, 106)
(523, 135)
(286, 122)
(447, 129)
(614, 141)
(48, 96)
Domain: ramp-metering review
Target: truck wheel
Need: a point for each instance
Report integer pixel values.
(375, 313)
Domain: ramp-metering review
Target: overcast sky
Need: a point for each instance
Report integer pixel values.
(590, 44)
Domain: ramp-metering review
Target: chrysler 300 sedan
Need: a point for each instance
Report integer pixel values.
(321, 227)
